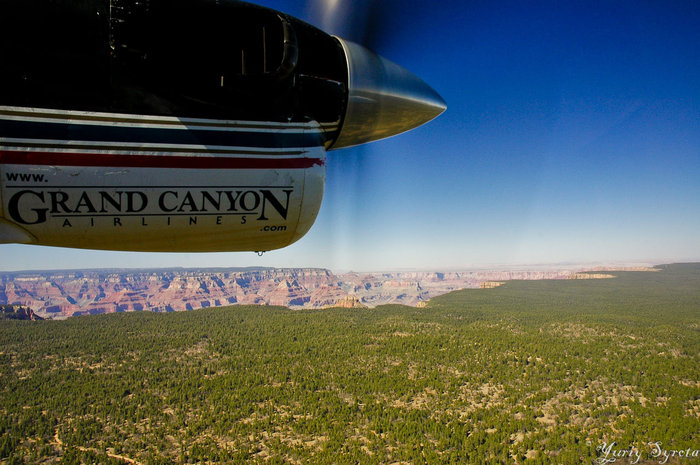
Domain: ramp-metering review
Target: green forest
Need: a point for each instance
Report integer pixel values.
(532, 372)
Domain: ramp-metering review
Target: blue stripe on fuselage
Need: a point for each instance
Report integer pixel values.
(106, 133)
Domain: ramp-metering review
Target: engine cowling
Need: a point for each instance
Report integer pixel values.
(181, 125)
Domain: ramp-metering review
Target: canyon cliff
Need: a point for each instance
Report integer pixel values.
(59, 294)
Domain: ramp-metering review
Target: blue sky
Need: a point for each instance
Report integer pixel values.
(572, 135)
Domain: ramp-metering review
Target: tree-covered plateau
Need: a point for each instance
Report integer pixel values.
(530, 372)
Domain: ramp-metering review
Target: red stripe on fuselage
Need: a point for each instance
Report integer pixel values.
(153, 161)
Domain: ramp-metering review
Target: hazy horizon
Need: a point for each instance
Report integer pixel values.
(472, 268)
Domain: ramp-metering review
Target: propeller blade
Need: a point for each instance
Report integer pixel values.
(360, 21)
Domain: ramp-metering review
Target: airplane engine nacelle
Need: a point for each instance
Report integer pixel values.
(180, 125)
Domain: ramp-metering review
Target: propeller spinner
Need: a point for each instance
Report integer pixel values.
(384, 99)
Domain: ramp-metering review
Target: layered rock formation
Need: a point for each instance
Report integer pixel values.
(57, 294)
(17, 312)
(349, 302)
